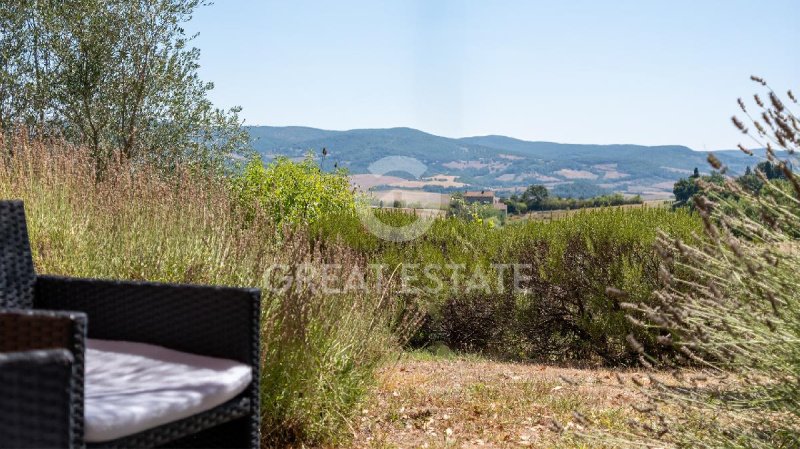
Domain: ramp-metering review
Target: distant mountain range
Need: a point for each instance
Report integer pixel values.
(501, 163)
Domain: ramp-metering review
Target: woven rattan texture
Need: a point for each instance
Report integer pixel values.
(36, 399)
(16, 264)
(213, 321)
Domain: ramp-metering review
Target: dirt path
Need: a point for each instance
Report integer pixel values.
(474, 403)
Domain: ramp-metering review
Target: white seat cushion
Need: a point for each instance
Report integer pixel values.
(131, 387)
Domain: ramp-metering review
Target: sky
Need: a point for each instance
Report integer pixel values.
(641, 72)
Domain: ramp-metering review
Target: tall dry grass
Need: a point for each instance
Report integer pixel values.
(320, 350)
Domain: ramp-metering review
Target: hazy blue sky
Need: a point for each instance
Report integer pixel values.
(645, 72)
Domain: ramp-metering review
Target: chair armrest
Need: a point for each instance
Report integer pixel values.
(25, 330)
(41, 388)
(37, 399)
(214, 321)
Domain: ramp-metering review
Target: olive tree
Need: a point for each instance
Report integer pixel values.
(115, 75)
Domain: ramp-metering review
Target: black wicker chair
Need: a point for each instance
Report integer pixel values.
(44, 324)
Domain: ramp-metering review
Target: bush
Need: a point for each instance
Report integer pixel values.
(473, 322)
(293, 193)
(567, 312)
(322, 350)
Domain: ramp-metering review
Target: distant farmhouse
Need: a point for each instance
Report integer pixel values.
(485, 197)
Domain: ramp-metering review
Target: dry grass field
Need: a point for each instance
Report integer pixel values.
(429, 402)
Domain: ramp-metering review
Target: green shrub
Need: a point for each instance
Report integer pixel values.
(473, 322)
(293, 192)
(481, 212)
(323, 349)
(567, 311)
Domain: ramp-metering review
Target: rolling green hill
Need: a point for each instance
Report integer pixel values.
(499, 162)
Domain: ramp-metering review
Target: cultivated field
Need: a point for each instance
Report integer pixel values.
(561, 213)
(366, 181)
(411, 198)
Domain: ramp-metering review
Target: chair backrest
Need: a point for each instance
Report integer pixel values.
(16, 264)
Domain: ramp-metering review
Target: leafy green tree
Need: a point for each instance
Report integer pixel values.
(750, 181)
(534, 196)
(112, 75)
(770, 170)
(686, 188)
(515, 206)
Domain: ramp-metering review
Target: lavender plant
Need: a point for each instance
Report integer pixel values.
(730, 306)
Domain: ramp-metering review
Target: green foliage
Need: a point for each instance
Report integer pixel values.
(566, 311)
(686, 188)
(478, 212)
(323, 349)
(293, 192)
(537, 198)
(615, 199)
(515, 207)
(113, 75)
(770, 170)
(750, 181)
(534, 196)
